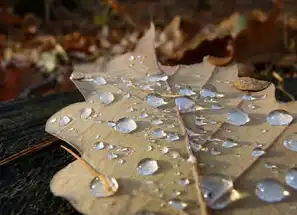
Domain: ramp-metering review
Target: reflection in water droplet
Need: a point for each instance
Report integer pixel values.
(155, 101)
(159, 133)
(147, 166)
(229, 144)
(125, 125)
(157, 77)
(279, 117)
(257, 152)
(179, 205)
(185, 104)
(172, 137)
(291, 142)
(269, 190)
(99, 190)
(291, 178)
(100, 146)
(237, 117)
(157, 122)
(86, 113)
(186, 92)
(106, 98)
(65, 120)
(100, 81)
(214, 187)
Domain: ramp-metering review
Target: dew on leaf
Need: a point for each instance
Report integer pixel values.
(258, 152)
(216, 106)
(106, 98)
(147, 166)
(65, 120)
(86, 113)
(248, 97)
(146, 87)
(185, 104)
(125, 125)
(100, 146)
(112, 156)
(149, 148)
(157, 122)
(159, 133)
(291, 142)
(177, 204)
(158, 77)
(215, 152)
(237, 117)
(186, 92)
(110, 147)
(172, 137)
(164, 150)
(99, 81)
(210, 91)
(184, 181)
(269, 190)
(291, 178)
(229, 144)
(53, 120)
(279, 117)
(226, 200)
(143, 115)
(99, 189)
(155, 101)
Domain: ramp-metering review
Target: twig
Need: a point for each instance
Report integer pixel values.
(29, 150)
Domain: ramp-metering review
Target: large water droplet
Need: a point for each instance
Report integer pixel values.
(291, 178)
(155, 101)
(186, 92)
(147, 166)
(229, 144)
(279, 117)
(158, 77)
(291, 142)
(185, 104)
(269, 190)
(99, 189)
(100, 81)
(86, 113)
(177, 204)
(172, 137)
(237, 117)
(125, 125)
(106, 98)
(65, 120)
(214, 187)
(159, 133)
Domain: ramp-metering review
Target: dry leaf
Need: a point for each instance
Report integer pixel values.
(151, 193)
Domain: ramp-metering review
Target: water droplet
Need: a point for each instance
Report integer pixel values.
(155, 101)
(216, 107)
(279, 117)
(174, 154)
(131, 109)
(185, 104)
(252, 107)
(100, 81)
(269, 190)
(184, 181)
(291, 142)
(157, 122)
(106, 98)
(126, 96)
(172, 137)
(208, 90)
(229, 144)
(149, 148)
(146, 87)
(86, 113)
(143, 115)
(248, 97)
(264, 130)
(112, 156)
(214, 152)
(186, 92)
(65, 120)
(164, 150)
(110, 147)
(159, 133)
(125, 125)
(52, 120)
(214, 187)
(99, 189)
(291, 178)
(121, 161)
(147, 166)
(179, 205)
(257, 152)
(226, 200)
(237, 117)
(100, 146)
(157, 77)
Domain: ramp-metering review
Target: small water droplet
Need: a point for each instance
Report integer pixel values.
(100, 146)
(65, 120)
(216, 106)
(121, 161)
(269, 190)
(110, 147)
(258, 152)
(146, 87)
(186, 92)
(157, 77)
(131, 58)
(155, 101)
(143, 115)
(184, 181)
(252, 107)
(131, 109)
(291, 142)
(100, 81)
(164, 150)
(229, 144)
(208, 90)
(147, 166)
(248, 97)
(174, 154)
(159, 133)
(264, 130)
(99, 190)
(291, 178)
(172, 137)
(237, 117)
(279, 117)
(112, 156)
(214, 152)
(179, 205)
(106, 98)
(185, 104)
(53, 120)
(157, 122)
(86, 113)
(125, 125)
(149, 148)
(126, 96)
